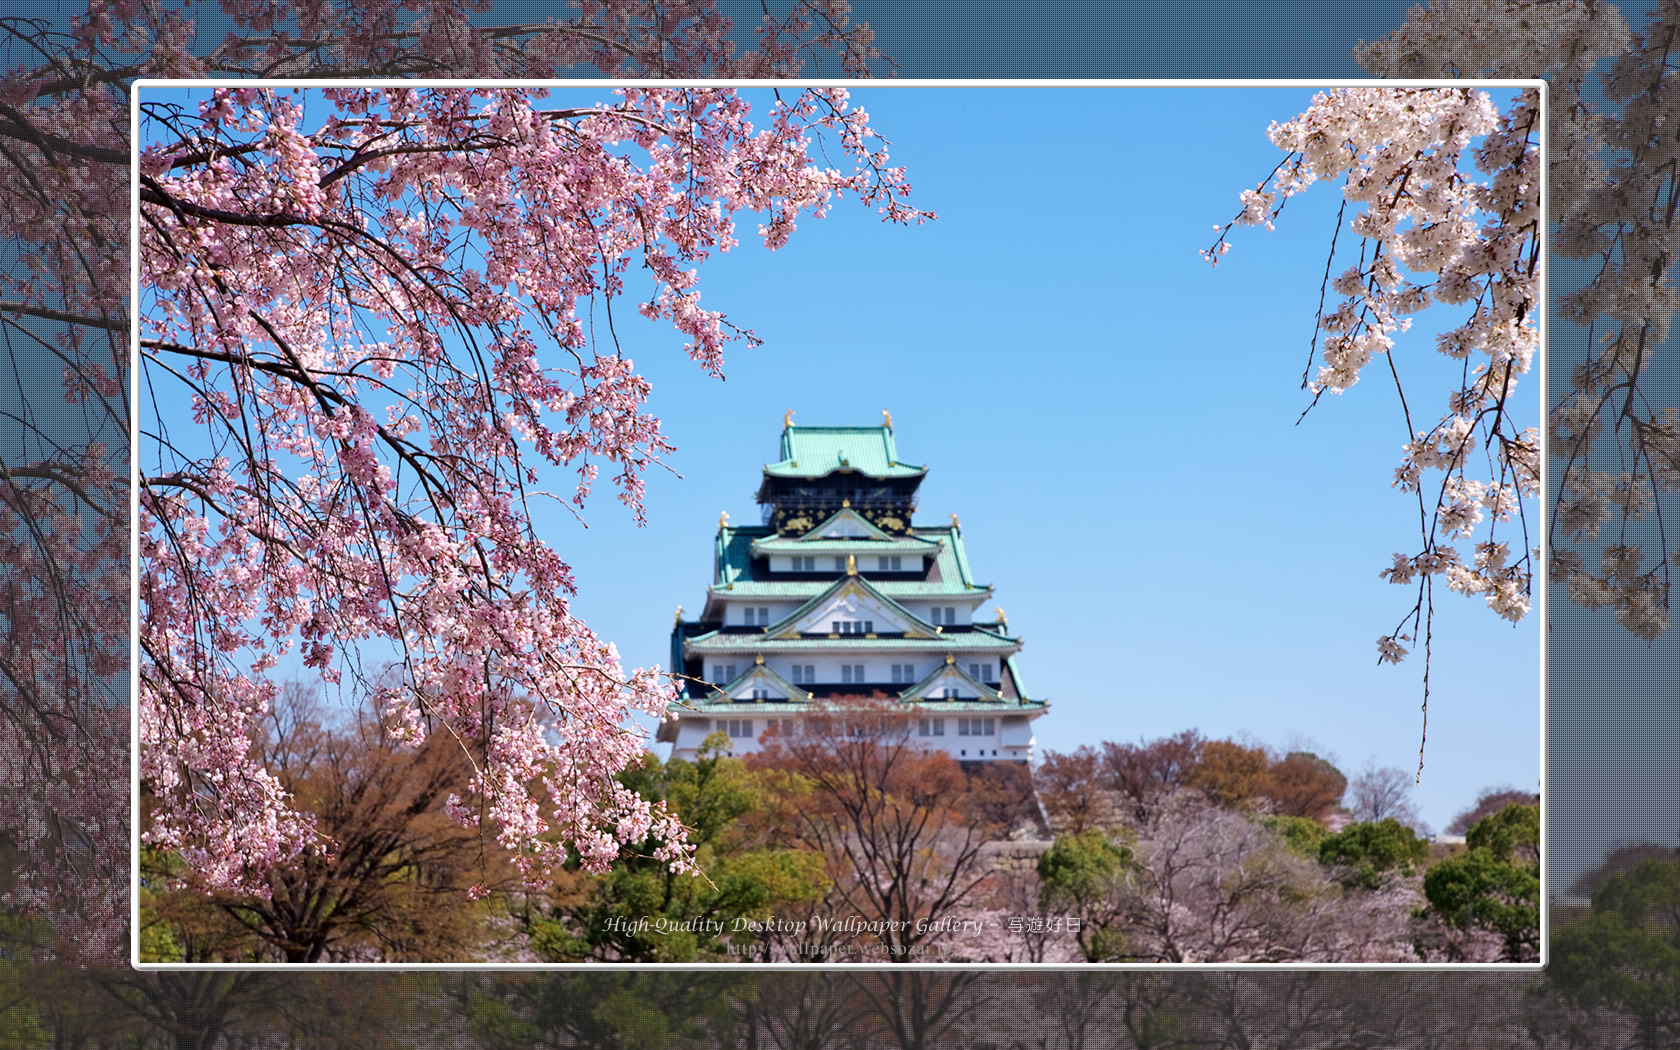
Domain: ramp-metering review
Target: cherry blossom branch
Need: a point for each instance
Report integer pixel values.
(1435, 236)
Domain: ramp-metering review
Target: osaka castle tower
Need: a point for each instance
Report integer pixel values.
(839, 594)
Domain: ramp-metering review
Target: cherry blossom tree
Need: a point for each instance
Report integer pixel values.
(1444, 190)
(367, 339)
(64, 286)
(1611, 176)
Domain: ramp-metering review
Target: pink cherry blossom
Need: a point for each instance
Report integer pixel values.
(1444, 194)
(368, 341)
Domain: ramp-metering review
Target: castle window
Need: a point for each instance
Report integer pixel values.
(851, 674)
(892, 564)
(804, 563)
(722, 673)
(804, 674)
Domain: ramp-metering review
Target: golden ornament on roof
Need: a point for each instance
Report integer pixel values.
(679, 614)
(954, 523)
(723, 520)
(787, 420)
(851, 565)
(888, 417)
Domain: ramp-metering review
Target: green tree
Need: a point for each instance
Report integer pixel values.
(1495, 884)
(1083, 875)
(620, 914)
(1301, 834)
(1512, 834)
(1625, 956)
(1365, 853)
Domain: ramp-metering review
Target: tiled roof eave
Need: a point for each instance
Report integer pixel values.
(802, 589)
(750, 643)
(846, 545)
(786, 469)
(771, 707)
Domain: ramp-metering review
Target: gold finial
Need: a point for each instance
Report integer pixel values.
(787, 420)
(955, 524)
(760, 660)
(847, 502)
(950, 658)
(723, 520)
(851, 565)
(1000, 616)
(679, 614)
(888, 416)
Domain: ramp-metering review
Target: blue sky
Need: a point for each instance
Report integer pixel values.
(1114, 422)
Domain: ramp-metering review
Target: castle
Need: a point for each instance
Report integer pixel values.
(839, 594)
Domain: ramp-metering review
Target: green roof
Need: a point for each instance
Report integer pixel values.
(747, 642)
(900, 545)
(933, 707)
(814, 452)
(733, 553)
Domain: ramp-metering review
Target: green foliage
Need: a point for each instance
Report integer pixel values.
(1301, 834)
(642, 912)
(1366, 852)
(1513, 832)
(1626, 955)
(1495, 884)
(1082, 874)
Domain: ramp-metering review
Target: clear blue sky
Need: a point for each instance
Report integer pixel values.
(1113, 421)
